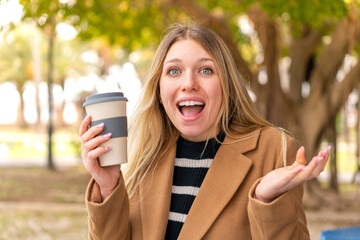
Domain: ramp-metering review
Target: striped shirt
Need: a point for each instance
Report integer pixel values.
(191, 165)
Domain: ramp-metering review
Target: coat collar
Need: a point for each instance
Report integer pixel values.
(222, 180)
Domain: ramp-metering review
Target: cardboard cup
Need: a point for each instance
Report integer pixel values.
(110, 109)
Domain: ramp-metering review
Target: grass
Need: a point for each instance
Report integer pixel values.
(27, 144)
(34, 185)
(38, 184)
(68, 186)
(31, 225)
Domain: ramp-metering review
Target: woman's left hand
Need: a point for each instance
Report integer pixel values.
(283, 179)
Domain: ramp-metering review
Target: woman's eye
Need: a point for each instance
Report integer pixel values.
(174, 71)
(206, 71)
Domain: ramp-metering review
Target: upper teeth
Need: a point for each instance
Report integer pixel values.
(190, 103)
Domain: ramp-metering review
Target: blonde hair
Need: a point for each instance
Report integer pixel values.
(151, 133)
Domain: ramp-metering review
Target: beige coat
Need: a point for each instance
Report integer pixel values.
(224, 207)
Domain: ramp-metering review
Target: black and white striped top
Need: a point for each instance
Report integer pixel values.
(191, 165)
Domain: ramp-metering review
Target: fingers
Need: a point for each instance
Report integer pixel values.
(283, 179)
(91, 162)
(91, 152)
(325, 157)
(91, 143)
(92, 132)
(316, 165)
(86, 133)
(294, 176)
(84, 125)
(295, 170)
(308, 170)
(325, 152)
(95, 142)
(300, 157)
(94, 154)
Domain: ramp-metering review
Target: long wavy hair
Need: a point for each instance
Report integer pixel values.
(151, 133)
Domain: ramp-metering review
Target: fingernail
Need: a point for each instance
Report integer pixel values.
(328, 149)
(108, 148)
(100, 125)
(107, 135)
(319, 160)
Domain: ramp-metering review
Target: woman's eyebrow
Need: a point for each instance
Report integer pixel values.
(205, 59)
(172, 60)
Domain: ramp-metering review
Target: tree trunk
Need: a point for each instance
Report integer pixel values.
(59, 115)
(333, 160)
(221, 27)
(20, 115)
(301, 52)
(307, 118)
(357, 171)
(60, 108)
(36, 55)
(275, 110)
(345, 127)
(20, 121)
(50, 163)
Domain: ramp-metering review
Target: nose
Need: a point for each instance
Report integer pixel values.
(189, 82)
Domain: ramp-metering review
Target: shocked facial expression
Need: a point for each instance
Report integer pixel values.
(190, 90)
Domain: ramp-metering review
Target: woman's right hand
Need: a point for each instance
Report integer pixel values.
(106, 177)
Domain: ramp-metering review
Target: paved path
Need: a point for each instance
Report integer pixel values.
(319, 221)
(39, 162)
(42, 206)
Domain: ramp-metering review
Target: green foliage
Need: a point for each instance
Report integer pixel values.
(76, 146)
(130, 24)
(134, 24)
(308, 12)
(68, 61)
(15, 56)
(16, 60)
(311, 13)
(226, 7)
(37, 9)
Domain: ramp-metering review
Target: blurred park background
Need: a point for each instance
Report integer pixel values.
(300, 60)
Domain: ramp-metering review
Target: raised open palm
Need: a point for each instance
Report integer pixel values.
(283, 179)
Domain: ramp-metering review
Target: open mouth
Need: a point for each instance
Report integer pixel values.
(190, 108)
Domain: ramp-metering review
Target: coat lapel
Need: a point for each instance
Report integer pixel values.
(155, 197)
(227, 172)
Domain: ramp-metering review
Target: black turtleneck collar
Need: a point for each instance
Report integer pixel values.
(195, 150)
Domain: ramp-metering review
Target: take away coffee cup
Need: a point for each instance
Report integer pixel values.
(110, 109)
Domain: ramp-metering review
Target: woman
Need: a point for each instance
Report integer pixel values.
(202, 163)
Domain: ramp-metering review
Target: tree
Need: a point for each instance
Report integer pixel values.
(47, 14)
(67, 63)
(315, 36)
(63, 57)
(16, 62)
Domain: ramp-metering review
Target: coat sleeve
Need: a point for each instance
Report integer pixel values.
(108, 219)
(284, 217)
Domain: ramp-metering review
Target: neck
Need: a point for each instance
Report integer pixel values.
(201, 138)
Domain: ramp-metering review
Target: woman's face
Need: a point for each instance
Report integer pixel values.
(190, 90)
